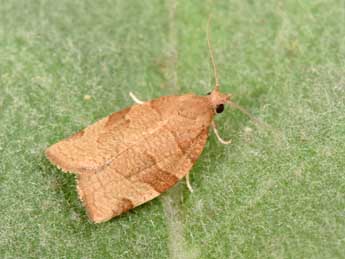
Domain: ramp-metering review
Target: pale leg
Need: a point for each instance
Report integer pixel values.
(225, 142)
(189, 186)
(135, 99)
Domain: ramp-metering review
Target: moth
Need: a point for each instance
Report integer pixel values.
(133, 155)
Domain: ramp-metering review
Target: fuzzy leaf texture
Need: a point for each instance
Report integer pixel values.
(270, 194)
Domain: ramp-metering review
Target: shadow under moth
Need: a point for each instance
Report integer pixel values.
(135, 154)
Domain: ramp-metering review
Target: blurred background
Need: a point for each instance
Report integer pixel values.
(271, 194)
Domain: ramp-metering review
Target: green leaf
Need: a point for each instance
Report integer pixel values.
(272, 193)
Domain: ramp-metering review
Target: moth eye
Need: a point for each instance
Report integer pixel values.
(220, 108)
(208, 93)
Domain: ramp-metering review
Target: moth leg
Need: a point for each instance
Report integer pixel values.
(225, 142)
(189, 186)
(135, 99)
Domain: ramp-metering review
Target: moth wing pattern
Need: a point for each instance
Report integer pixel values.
(111, 192)
(92, 148)
(131, 156)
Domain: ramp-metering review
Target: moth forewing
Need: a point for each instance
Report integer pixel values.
(150, 147)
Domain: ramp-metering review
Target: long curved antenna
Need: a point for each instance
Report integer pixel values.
(254, 119)
(216, 87)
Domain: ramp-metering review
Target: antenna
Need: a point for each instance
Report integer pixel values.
(216, 87)
(254, 119)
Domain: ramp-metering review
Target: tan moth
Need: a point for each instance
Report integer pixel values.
(133, 155)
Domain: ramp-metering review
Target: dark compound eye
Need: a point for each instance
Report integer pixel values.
(220, 108)
(208, 93)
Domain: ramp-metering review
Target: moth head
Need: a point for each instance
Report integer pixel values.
(218, 99)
